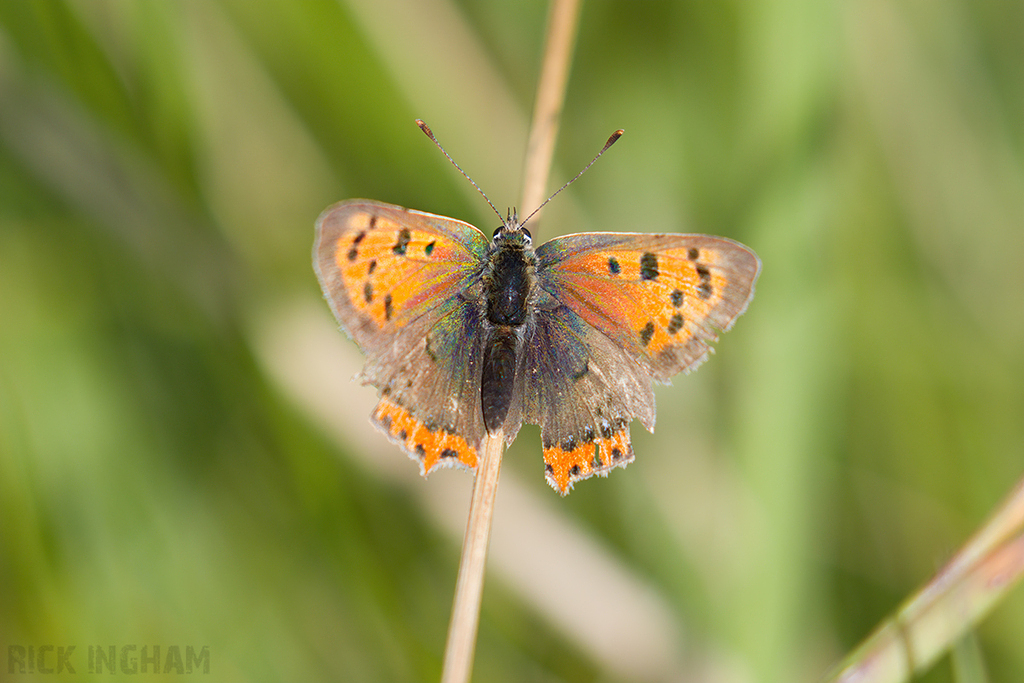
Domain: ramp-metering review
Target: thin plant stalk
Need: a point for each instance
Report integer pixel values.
(554, 76)
(458, 659)
(462, 630)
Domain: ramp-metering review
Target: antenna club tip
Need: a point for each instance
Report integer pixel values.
(424, 127)
(616, 135)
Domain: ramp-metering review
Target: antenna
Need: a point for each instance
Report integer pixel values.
(611, 141)
(430, 134)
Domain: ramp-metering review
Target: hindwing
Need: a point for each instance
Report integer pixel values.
(583, 392)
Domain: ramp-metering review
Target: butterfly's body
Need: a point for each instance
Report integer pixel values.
(465, 336)
(509, 289)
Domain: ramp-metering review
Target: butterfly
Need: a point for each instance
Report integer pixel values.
(465, 336)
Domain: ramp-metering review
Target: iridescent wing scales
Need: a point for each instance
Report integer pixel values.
(583, 392)
(430, 397)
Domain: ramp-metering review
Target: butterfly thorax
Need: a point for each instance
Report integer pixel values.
(508, 279)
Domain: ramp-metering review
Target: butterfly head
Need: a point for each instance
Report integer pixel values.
(512, 231)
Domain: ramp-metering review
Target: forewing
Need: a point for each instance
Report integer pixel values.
(382, 267)
(399, 282)
(660, 298)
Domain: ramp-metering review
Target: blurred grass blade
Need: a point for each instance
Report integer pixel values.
(959, 596)
(968, 662)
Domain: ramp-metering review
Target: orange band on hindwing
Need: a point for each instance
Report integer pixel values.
(614, 451)
(430, 446)
(567, 463)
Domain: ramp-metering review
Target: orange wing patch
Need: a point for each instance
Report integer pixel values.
(382, 266)
(388, 269)
(650, 300)
(429, 445)
(567, 463)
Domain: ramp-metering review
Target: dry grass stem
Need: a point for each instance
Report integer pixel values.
(458, 660)
(462, 630)
(554, 75)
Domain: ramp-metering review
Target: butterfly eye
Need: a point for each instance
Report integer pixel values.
(503, 230)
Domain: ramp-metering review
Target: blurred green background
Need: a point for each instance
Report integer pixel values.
(185, 461)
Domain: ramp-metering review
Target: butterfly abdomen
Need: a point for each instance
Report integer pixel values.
(508, 280)
(499, 371)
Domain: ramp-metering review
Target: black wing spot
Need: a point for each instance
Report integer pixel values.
(385, 422)
(548, 468)
(373, 222)
(675, 324)
(421, 450)
(606, 431)
(372, 267)
(704, 289)
(403, 435)
(353, 252)
(403, 242)
(693, 254)
(388, 311)
(368, 292)
(648, 266)
(617, 454)
(575, 471)
(429, 249)
(430, 351)
(613, 266)
(582, 372)
(647, 333)
(677, 297)
(449, 453)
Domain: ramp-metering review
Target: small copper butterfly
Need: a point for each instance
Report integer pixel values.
(465, 335)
